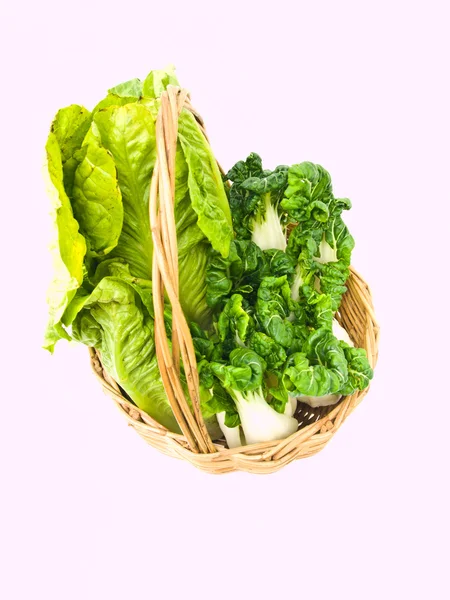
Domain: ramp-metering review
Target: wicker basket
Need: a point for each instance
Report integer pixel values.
(316, 426)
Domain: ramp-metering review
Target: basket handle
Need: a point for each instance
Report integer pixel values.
(165, 277)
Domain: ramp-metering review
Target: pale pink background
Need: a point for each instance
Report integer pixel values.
(87, 510)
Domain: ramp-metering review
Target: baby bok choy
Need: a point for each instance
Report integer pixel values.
(255, 203)
(242, 379)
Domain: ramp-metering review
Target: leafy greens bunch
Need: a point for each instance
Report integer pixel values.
(274, 298)
(262, 264)
(100, 164)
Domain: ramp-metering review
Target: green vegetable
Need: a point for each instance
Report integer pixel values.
(68, 249)
(233, 435)
(280, 304)
(320, 369)
(70, 126)
(274, 354)
(203, 217)
(335, 254)
(217, 401)
(240, 272)
(128, 89)
(308, 194)
(359, 370)
(321, 242)
(100, 166)
(128, 133)
(108, 159)
(273, 308)
(318, 308)
(97, 199)
(206, 189)
(116, 322)
(234, 321)
(262, 263)
(157, 81)
(243, 380)
(254, 201)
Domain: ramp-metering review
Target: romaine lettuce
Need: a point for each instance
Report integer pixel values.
(100, 166)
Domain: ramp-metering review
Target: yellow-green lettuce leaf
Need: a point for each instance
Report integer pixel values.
(68, 248)
(97, 200)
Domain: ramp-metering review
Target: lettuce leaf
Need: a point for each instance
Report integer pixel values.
(97, 199)
(128, 133)
(128, 89)
(192, 286)
(70, 127)
(201, 207)
(206, 189)
(69, 247)
(193, 248)
(158, 80)
(152, 87)
(115, 320)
